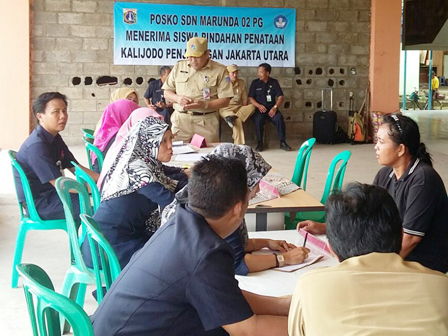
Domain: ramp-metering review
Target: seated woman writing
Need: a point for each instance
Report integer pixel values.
(246, 262)
(417, 190)
(135, 187)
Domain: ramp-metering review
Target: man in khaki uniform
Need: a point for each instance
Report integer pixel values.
(372, 291)
(198, 88)
(237, 111)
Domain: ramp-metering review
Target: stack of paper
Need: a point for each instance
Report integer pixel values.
(183, 149)
(266, 193)
(283, 185)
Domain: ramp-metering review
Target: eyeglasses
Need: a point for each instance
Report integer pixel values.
(397, 122)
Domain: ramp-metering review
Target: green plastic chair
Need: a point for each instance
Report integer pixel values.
(85, 179)
(300, 174)
(303, 159)
(87, 134)
(28, 221)
(78, 276)
(101, 250)
(50, 305)
(92, 148)
(333, 183)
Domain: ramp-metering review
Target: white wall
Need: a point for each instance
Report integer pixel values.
(412, 70)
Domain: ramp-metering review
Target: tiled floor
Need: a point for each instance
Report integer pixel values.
(50, 249)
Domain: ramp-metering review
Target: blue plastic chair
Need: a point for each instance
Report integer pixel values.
(29, 220)
(85, 179)
(99, 156)
(50, 305)
(333, 183)
(105, 262)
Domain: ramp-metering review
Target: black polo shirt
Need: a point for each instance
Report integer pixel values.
(154, 93)
(260, 90)
(41, 157)
(423, 204)
(182, 282)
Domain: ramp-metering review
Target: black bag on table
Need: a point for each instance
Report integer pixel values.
(325, 122)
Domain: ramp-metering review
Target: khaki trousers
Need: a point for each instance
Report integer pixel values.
(243, 113)
(185, 125)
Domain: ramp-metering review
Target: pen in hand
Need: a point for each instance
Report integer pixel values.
(304, 241)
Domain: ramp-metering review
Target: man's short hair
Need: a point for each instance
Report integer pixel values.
(164, 70)
(41, 101)
(363, 219)
(216, 185)
(266, 67)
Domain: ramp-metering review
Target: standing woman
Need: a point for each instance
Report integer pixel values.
(417, 189)
(135, 187)
(114, 117)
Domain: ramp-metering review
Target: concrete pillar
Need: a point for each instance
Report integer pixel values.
(15, 73)
(385, 55)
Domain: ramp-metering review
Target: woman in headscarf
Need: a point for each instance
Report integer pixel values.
(246, 262)
(136, 187)
(114, 117)
(137, 115)
(121, 93)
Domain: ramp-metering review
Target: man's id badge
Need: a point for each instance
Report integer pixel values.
(59, 164)
(235, 98)
(206, 93)
(268, 98)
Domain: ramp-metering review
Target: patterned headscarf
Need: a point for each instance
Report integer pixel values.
(138, 114)
(114, 117)
(136, 163)
(256, 168)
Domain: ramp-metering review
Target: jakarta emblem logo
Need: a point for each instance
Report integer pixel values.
(129, 16)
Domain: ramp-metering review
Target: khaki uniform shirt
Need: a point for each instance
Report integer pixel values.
(188, 82)
(375, 294)
(239, 93)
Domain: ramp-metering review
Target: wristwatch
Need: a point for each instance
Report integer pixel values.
(280, 259)
(275, 106)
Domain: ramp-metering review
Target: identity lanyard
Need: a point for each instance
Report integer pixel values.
(206, 89)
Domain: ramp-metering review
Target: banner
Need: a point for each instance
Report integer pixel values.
(157, 34)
